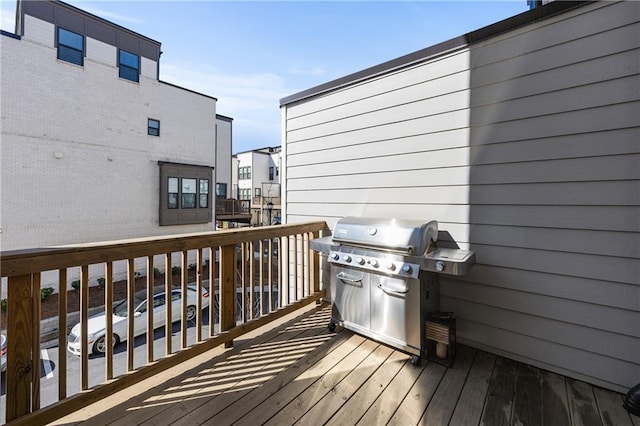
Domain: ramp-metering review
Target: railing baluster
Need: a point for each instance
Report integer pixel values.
(168, 326)
(243, 296)
(183, 307)
(131, 291)
(150, 308)
(227, 289)
(199, 272)
(252, 275)
(270, 275)
(212, 290)
(295, 267)
(108, 311)
(315, 266)
(35, 344)
(84, 332)
(62, 334)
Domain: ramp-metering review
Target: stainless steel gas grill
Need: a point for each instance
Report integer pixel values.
(384, 277)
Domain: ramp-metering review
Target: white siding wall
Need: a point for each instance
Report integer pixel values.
(101, 52)
(38, 31)
(223, 149)
(526, 148)
(92, 172)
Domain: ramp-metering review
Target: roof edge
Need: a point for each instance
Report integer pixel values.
(440, 49)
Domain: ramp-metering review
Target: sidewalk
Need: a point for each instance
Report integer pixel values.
(49, 327)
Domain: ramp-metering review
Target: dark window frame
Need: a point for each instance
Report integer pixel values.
(128, 71)
(153, 127)
(67, 51)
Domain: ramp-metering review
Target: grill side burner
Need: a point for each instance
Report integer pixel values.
(384, 277)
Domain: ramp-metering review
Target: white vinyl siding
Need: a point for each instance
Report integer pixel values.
(39, 31)
(526, 148)
(101, 52)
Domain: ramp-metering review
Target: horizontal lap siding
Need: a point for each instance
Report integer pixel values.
(526, 148)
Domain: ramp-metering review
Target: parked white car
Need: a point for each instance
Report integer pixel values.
(3, 353)
(96, 325)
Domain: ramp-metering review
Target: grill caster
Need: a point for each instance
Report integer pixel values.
(416, 360)
(332, 326)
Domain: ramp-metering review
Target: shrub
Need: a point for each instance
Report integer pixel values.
(156, 271)
(3, 305)
(100, 283)
(175, 270)
(75, 285)
(45, 293)
(192, 267)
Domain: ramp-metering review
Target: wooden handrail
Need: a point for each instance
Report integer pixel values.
(23, 268)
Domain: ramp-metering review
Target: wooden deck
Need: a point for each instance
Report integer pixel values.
(300, 373)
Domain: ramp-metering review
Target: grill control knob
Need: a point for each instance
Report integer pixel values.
(407, 269)
(373, 263)
(335, 256)
(391, 266)
(360, 261)
(347, 258)
(440, 266)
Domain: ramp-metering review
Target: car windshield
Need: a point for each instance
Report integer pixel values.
(120, 309)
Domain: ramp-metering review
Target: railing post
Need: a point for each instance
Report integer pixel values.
(20, 335)
(227, 289)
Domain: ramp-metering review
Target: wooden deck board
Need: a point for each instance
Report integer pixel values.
(555, 404)
(471, 402)
(300, 373)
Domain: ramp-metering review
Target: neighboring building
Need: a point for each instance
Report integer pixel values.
(258, 184)
(224, 164)
(523, 140)
(94, 146)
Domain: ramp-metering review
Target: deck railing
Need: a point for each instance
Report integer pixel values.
(247, 277)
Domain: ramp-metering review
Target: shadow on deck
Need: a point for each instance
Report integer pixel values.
(296, 371)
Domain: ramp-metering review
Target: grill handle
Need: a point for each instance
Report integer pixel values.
(346, 279)
(393, 292)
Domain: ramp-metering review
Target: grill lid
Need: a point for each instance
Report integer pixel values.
(412, 237)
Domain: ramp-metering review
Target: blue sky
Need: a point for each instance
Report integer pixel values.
(251, 54)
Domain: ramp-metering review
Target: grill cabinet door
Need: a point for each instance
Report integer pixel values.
(351, 296)
(395, 309)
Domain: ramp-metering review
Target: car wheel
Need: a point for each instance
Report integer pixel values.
(100, 346)
(191, 313)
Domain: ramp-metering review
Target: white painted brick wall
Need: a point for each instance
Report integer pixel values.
(105, 185)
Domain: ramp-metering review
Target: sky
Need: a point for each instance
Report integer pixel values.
(250, 54)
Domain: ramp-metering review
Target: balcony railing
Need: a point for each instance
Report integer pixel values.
(231, 207)
(245, 278)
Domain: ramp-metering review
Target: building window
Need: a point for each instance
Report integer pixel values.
(221, 190)
(153, 127)
(70, 46)
(256, 192)
(188, 193)
(244, 172)
(245, 194)
(203, 193)
(271, 172)
(173, 193)
(184, 194)
(129, 65)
